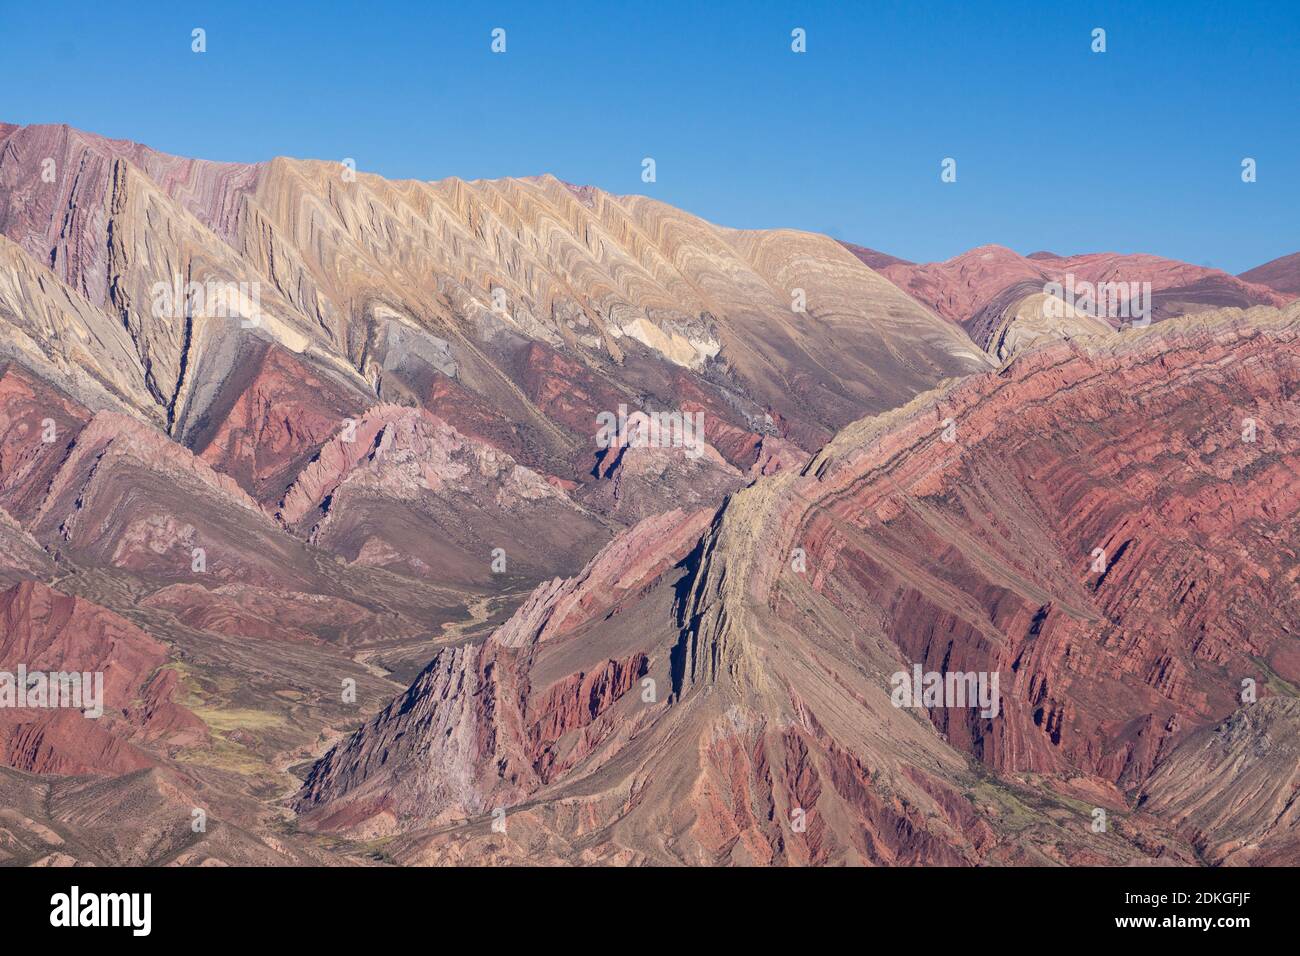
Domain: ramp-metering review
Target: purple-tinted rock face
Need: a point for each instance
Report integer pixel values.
(56, 186)
(1282, 275)
(513, 521)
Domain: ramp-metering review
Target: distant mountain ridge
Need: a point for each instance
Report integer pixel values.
(1282, 274)
(960, 287)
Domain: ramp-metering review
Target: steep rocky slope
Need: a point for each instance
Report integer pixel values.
(64, 340)
(403, 489)
(465, 296)
(1235, 817)
(369, 581)
(767, 732)
(1034, 319)
(166, 453)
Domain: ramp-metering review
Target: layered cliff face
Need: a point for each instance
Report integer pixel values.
(1136, 523)
(1032, 320)
(123, 695)
(64, 339)
(1096, 524)
(483, 726)
(510, 520)
(400, 488)
(129, 230)
(1235, 817)
(452, 292)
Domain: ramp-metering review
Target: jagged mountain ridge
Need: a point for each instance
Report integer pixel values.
(971, 555)
(410, 290)
(314, 484)
(421, 387)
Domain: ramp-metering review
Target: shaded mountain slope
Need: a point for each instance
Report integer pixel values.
(1281, 274)
(771, 668)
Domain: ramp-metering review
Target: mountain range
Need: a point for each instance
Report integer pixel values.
(309, 464)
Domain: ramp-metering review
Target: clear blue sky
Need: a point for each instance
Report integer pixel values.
(1058, 148)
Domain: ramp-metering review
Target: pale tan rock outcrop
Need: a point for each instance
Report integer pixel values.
(1037, 320)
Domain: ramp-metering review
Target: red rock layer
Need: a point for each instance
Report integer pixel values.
(45, 631)
(271, 420)
(31, 412)
(481, 724)
(774, 638)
